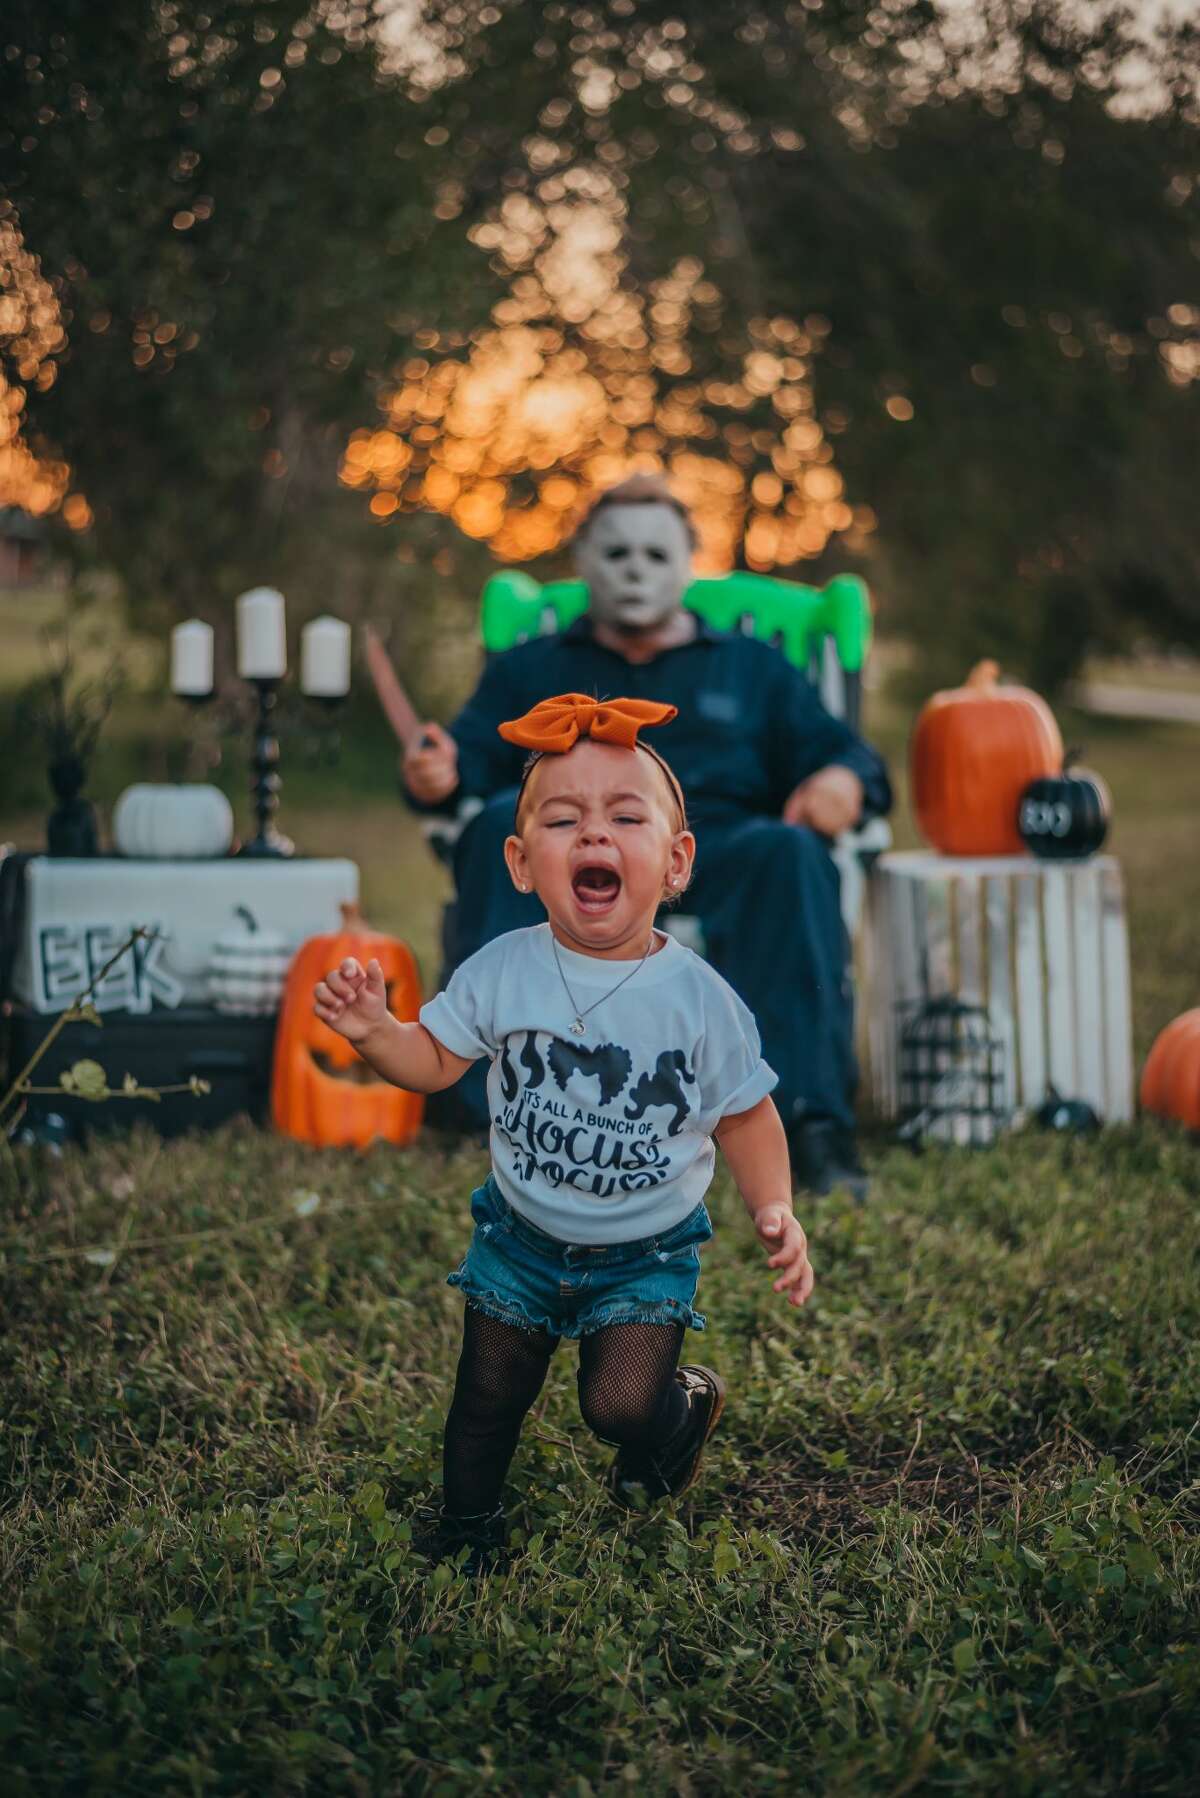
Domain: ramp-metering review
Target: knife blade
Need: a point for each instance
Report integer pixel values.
(398, 708)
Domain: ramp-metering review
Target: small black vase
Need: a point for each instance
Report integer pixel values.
(71, 826)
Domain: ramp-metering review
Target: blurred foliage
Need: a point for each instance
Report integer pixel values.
(237, 207)
(62, 711)
(993, 243)
(986, 234)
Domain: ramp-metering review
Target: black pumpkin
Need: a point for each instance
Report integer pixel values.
(1073, 1115)
(1064, 817)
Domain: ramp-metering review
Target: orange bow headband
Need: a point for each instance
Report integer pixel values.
(556, 725)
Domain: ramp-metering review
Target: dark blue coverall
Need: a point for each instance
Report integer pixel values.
(750, 727)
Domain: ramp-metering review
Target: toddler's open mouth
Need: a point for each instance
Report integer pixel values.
(596, 889)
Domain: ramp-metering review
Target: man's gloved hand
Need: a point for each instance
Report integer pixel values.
(829, 801)
(430, 765)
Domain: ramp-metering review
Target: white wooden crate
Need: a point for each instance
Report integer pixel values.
(1042, 945)
(78, 912)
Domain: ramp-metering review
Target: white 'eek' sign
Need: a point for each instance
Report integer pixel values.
(68, 957)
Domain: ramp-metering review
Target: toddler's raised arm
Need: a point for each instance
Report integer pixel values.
(353, 1001)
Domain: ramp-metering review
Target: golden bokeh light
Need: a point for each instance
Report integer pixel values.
(31, 335)
(579, 380)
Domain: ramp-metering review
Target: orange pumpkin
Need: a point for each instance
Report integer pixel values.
(322, 1091)
(1171, 1078)
(973, 752)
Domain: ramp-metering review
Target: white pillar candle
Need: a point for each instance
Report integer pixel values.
(325, 658)
(192, 659)
(261, 642)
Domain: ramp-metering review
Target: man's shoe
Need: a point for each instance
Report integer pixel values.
(824, 1158)
(635, 1480)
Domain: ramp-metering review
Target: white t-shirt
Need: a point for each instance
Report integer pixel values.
(604, 1137)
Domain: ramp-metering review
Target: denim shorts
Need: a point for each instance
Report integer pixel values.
(516, 1272)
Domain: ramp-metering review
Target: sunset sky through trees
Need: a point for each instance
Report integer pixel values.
(581, 378)
(318, 287)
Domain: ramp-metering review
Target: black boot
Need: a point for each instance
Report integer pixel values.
(483, 1537)
(824, 1157)
(636, 1480)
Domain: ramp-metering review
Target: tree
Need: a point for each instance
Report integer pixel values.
(239, 215)
(966, 264)
(1014, 329)
(1001, 251)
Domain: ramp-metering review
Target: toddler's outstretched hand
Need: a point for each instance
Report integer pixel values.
(787, 1247)
(352, 999)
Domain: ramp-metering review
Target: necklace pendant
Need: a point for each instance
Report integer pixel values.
(579, 1028)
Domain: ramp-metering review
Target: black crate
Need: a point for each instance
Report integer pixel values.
(160, 1049)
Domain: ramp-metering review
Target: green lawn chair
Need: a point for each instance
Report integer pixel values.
(824, 631)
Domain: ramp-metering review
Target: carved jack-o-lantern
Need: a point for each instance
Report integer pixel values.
(322, 1091)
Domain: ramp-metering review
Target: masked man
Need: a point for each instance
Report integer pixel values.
(769, 776)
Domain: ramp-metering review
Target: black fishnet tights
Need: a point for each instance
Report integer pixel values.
(627, 1390)
(627, 1394)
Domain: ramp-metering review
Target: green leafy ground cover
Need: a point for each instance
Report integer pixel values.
(946, 1539)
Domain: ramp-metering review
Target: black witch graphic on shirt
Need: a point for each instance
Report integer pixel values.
(586, 1139)
(607, 1137)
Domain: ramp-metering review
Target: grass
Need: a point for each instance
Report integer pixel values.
(946, 1538)
(1177, 673)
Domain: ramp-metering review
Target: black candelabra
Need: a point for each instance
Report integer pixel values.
(314, 721)
(265, 780)
(262, 664)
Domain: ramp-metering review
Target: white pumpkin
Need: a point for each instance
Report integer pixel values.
(172, 823)
(247, 968)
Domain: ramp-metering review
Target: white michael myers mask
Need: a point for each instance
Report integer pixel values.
(637, 561)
